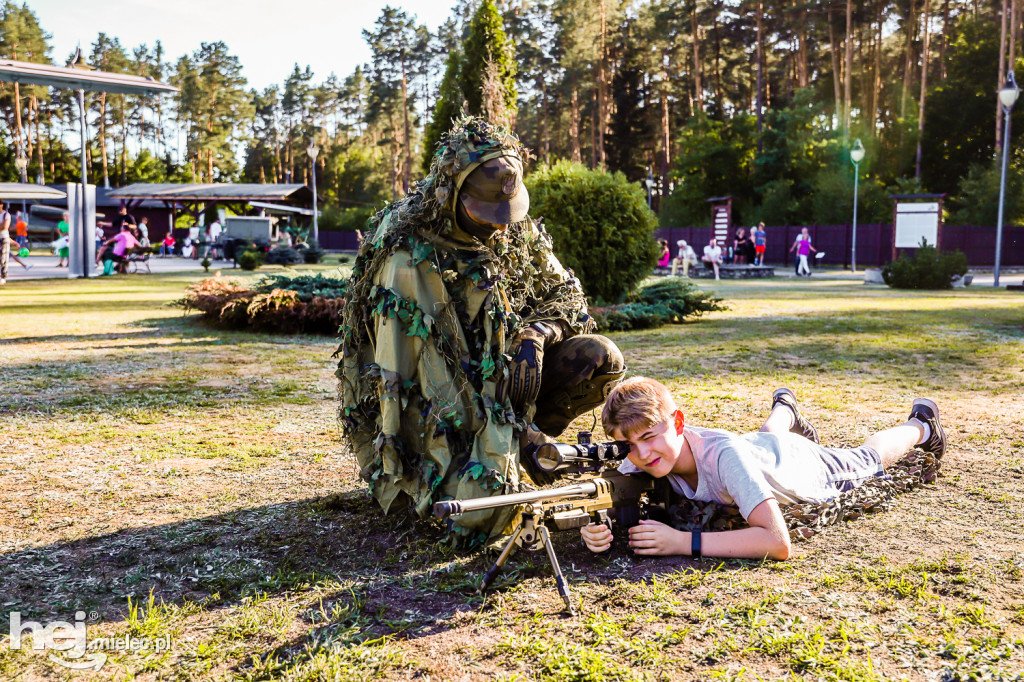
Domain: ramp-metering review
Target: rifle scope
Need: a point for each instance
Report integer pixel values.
(581, 456)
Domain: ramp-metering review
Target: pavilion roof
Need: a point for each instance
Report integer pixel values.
(218, 191)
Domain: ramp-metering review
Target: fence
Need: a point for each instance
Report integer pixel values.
(874, 243)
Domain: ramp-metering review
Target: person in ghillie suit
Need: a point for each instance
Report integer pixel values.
(463, 340)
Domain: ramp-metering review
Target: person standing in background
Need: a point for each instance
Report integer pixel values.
(760, 243)
(803, 248)
(63, 229)
(20, 230)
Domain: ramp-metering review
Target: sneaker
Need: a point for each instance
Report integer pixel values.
(927, 412)
(800, 426)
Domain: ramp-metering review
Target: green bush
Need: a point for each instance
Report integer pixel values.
(600, 224)
(666, 301)
(250, 259)
(312, 253)
(307, 287)
(926, 269)
(283, 255)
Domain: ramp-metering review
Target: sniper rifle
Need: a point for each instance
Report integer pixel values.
(589, 500)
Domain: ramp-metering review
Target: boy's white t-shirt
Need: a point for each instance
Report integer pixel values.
(744, 471)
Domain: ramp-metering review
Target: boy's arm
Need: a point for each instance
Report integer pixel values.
(767, 536)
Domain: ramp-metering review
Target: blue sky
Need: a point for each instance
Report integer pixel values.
(268, 36)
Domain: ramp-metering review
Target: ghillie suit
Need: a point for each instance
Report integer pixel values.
(435, 320)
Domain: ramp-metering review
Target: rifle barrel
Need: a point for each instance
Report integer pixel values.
(456, 507)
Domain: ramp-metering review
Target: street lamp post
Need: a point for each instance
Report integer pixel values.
(856, 156)
(1007, 98)
(650, 187)
(313, 150)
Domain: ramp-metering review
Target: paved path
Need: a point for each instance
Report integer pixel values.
(44, 267)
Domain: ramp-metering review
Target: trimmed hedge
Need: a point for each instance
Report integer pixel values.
(277, 304)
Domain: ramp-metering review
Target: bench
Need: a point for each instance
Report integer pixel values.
(133, 261)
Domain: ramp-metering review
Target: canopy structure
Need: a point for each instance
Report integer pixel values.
(21, 190)
(281, 208)
(78, 76)
(236, 195)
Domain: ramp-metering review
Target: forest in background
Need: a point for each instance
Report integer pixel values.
(750, 98)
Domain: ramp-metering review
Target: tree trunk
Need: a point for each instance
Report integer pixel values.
(876, 88)
(124, 144)
(406, 179)
(924, 89)
(801, 62)
(945, 32)
(848, 70)
(542, 122)
(602, 66)
(718, 65)
(19, 140)
(698, 87)
(594, 125)
(103, 138)
(666, 134)
(908, 61)
(39, 143)
(1002, 76)
(574, 127)
(759, 102)
(836, 75)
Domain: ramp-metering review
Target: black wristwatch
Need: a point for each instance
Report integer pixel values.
(695, 544)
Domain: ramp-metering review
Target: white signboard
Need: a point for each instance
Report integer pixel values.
(914, 222)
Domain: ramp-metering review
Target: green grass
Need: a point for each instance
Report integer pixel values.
(178, 480)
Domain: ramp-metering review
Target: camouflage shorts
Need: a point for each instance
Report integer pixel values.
(578, 375)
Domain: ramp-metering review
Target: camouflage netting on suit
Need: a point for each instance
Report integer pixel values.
(431, 314)
(806, 520)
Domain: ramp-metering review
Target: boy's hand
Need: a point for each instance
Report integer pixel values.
(657, 539)
(597, 537)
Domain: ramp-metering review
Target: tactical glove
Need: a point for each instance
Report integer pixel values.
(524, 371)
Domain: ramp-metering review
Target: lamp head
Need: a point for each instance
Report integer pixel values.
(312, 150)
(1009, 92)
(21, 162)
(858, 151)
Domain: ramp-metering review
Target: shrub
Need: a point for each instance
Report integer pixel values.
(926, 269)
(600, 224)
(312, 253)
(283, 255)
(669, 300)
(307, 287)
(250, 259)
(276, 304)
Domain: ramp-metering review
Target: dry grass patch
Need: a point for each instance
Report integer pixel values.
(175, 480)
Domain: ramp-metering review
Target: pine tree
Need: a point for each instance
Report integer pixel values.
(449, 104)
(488, 72)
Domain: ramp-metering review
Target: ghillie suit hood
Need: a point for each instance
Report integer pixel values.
(431, 314)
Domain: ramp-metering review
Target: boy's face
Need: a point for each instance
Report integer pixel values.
(655, 449)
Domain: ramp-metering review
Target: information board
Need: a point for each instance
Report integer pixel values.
(915, 221)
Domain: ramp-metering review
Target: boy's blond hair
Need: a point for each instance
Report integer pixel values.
(636, 404)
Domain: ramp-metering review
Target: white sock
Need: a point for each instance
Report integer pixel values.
(927, 430)
(788, 411)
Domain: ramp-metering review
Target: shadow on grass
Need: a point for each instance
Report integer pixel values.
(397, 577)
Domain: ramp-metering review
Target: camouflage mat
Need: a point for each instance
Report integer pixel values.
(806, 520)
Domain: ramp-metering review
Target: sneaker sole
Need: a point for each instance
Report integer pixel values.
(805, 429)
(934, 424)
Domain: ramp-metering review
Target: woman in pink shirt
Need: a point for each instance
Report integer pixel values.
(121, 242)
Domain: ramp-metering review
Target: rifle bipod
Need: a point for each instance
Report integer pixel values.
(534, 535)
